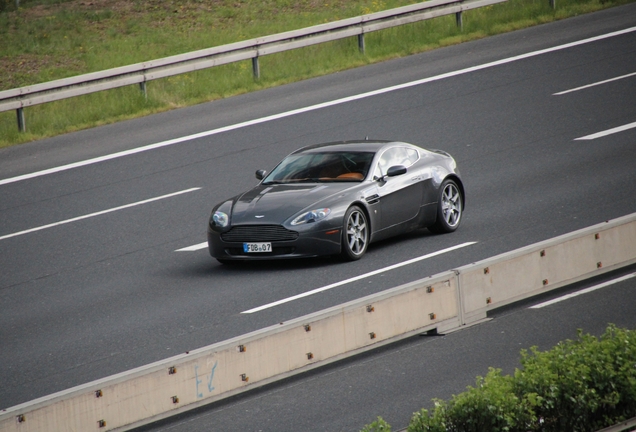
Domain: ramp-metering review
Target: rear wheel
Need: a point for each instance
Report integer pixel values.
(449, 208)
(355, 236)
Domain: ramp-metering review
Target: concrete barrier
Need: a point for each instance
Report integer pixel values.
(184, 382)
(545, 266)
(443, 302)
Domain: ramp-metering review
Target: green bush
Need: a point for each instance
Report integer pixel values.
(491, 405)
(380, 425)
(582, 385)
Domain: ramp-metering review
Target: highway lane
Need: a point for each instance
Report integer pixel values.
(87, 299)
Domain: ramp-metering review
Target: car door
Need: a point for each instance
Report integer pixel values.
(400, 196)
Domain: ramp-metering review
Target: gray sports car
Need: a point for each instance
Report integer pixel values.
(336, 199)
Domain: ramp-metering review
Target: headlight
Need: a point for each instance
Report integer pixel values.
(311, 216)
(220, 219)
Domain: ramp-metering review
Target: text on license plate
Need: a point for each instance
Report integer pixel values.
(257, 247)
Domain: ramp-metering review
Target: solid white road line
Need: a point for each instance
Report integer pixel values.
(608, 132)
(193, 248)
(593, 84)
(353, 279)
(313, 107)
(97, 213)
(584, 291)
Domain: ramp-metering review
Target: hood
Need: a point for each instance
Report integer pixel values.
(274, 204)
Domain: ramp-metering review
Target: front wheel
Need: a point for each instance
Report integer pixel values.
(449, 208)
(355, 236)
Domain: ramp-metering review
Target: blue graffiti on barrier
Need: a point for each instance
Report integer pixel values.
(210, 379)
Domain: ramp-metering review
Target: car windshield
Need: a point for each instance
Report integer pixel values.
(317, 167)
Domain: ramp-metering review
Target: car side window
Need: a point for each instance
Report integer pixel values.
(412, 156)
(395, 156)
(382, 165)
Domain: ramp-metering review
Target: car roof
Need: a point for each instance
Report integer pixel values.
(356, 145)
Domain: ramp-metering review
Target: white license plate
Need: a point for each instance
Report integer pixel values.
(257, 247)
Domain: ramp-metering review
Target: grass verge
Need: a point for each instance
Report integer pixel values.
(45, 40)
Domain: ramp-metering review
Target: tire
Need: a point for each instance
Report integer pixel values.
(449, 208)
(355, 234)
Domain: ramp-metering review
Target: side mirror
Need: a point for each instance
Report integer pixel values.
(260, 174)
(396, 170)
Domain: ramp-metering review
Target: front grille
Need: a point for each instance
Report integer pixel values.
(259, 233)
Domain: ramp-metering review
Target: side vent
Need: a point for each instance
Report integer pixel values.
(373, 199)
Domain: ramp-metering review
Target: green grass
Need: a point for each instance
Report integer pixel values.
(51, 39)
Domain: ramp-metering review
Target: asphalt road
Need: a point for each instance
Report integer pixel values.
(92, 283)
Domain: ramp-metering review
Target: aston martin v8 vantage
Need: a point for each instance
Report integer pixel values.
(336, 199)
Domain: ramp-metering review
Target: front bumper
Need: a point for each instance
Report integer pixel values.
(307, 243)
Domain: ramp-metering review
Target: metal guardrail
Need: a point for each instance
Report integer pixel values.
(140, 73)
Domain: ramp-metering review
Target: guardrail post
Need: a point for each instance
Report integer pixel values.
(142, 87)
(460, 21)
(361, 42)
(256, 69)
(21, 124)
